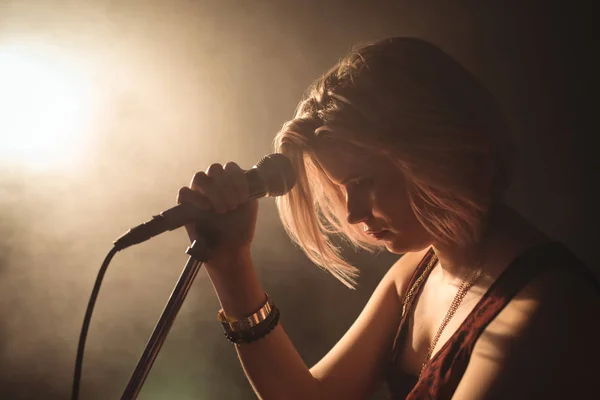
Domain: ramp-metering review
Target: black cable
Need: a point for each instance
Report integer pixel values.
(86, 323)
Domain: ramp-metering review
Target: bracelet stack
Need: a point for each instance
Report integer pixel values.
(253, 327)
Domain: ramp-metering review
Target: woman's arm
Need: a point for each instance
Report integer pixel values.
(350, 370)
(356, 364)
(272, 365)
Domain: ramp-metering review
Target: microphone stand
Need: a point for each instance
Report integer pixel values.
(198, 255)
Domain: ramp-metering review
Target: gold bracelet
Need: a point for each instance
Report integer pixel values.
(250, 321)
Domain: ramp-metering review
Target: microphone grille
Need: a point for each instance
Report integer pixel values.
(277, 173)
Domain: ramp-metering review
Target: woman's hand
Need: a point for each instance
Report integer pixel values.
(229, 228)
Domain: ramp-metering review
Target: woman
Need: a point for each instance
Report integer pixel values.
(398, 146)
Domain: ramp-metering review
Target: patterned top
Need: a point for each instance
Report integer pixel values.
(445, 370)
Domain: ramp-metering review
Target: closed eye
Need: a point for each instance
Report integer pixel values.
(358, 183)
(355, 182)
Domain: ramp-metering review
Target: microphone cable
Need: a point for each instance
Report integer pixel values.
(86, 323)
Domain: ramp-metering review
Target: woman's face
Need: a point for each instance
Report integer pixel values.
(376, 196)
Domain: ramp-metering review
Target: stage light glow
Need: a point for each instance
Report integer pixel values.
(44, 107)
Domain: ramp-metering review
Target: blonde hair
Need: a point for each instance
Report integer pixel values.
(406, 100)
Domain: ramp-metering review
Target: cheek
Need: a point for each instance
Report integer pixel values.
(392, 203)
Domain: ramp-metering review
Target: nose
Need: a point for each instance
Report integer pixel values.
(358, 207)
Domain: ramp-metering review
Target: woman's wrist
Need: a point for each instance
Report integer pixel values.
(228, 260)
(237, 285)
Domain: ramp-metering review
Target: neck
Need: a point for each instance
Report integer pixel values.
(508, 234)
(456, 260)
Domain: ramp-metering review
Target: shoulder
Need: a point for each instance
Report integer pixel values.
(562, 296)
(564, 293)
(543, 344)
(402, 270)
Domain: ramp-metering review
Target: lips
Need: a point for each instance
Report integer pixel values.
(377, 234)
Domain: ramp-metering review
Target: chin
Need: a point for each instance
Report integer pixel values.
(397, 246)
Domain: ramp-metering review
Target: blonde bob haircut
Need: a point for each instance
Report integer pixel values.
(405, 100)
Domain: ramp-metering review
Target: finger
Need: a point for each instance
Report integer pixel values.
(187, 195)
(207, 186)
(225, 186)
(239, 180)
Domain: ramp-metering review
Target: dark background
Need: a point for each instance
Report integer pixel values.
(182, 84)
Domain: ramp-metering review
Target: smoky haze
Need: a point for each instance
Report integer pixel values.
(177, 86)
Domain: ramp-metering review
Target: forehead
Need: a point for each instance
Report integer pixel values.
(341, 160)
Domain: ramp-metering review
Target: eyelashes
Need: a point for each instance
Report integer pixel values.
(359, 187)
(359, 183)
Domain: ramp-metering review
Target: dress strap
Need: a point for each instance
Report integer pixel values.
(420, 271)
(522, 271)
(444, 371)
(446, 368)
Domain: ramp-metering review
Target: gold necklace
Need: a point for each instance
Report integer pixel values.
(467, 282)
(417, 283)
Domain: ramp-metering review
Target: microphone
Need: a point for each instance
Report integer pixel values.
(272, 176)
